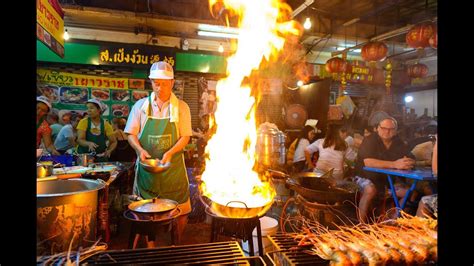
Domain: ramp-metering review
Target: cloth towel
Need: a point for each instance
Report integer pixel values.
(174, 107)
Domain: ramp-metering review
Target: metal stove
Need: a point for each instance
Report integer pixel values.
(287, 252)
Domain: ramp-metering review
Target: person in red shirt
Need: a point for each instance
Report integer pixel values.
(43, 131)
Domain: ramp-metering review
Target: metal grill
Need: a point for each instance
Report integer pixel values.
(289, 253)
(210, 253)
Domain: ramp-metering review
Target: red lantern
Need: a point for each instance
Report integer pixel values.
(419, 36)
(337, 65)
(417, 71)
(374, 51)
(434, 40)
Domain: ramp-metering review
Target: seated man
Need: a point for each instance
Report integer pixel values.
(384, 149)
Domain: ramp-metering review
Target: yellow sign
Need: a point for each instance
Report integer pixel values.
(50, 26)
(76, 80)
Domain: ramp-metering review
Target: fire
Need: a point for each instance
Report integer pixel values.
(229, 178)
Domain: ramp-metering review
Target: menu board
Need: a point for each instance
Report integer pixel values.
(69, 99)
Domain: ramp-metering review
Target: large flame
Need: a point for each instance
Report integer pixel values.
(228, 178)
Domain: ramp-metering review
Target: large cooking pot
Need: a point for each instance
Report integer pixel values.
(66, 212)
(271, 146)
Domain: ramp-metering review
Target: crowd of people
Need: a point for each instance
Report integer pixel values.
(378, 146)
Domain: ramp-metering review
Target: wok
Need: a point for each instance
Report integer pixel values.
(319, 189)
(315, 186)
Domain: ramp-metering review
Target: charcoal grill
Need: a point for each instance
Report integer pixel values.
(287, 252)
(219, 253)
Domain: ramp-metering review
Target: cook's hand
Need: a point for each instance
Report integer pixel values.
(55, 152)
(166, 158)
(144, 155)
(92, 146)
(311, 166)
(107, 153)
(404, 163)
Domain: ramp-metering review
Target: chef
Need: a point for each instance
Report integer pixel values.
(159, 127)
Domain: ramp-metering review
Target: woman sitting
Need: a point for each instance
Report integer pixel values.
(333, 151)
(304, 139)
(93, 132)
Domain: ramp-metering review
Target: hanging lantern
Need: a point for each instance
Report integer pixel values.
(418, 37)
(337, 65)
(374, 51)
(417, 71)
(434, 40)
(388, 77)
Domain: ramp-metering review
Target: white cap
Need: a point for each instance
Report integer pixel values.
(44, 100)
(102, 106)
(161, 70)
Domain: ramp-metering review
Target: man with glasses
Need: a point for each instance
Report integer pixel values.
(382, 150)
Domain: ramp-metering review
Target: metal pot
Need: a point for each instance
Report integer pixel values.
(84, 159)
(66, 212)
(43, 170)
(271, 147)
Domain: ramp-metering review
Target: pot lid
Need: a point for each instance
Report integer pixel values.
(153, 205)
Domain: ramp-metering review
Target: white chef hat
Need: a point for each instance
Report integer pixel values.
(161, 70)
(102, 106)
(44, 100)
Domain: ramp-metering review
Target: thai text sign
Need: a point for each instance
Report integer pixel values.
(134, 55)
(76, 80)
(50, 26)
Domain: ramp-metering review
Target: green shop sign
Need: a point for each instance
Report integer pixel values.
(138, 56)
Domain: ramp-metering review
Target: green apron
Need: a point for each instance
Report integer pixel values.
(99, 140)
(158, 136)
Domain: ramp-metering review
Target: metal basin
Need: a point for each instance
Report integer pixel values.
(154, 165)
(66, 211)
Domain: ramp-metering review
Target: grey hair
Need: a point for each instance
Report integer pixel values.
(390, 118)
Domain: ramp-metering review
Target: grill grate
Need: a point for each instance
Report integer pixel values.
(209, 253)
(288, 253)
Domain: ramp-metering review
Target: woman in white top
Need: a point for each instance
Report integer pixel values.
(304, 139)
(333, 151)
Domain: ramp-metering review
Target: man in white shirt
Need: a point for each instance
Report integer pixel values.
(159, 127)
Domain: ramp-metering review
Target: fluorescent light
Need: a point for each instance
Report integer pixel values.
(216, 28)
(357, 51)
(408, 99)
(217, 34)
(340, 48)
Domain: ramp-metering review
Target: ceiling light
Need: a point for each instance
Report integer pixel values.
(218, 34)
(215, 28)
(340, 48)
(307, 24)
(356, 51)
(299, 83)
(66, 35)
(408, 99)
(221, 48)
